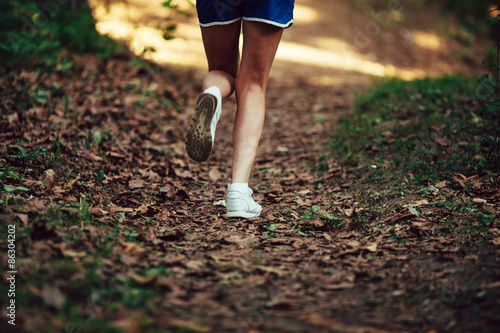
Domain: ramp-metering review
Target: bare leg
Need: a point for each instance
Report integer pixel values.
(260, 42)
(221, 49)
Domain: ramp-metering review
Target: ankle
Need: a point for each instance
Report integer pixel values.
(240, 187)
(213, 90)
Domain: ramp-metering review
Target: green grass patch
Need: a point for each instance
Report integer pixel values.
(424, 128)
(425, 142)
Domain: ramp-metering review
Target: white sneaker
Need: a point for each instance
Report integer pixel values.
(200, 135)
(241, 205)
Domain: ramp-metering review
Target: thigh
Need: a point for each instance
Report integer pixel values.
(221, 44)
(260, 42)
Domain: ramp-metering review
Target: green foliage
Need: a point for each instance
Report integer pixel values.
(472, 14)
(176, 7)
(402, 118)
(270, 227)
(491, 110)
(10, 189)
(411, 135)
(37, 33)
(424, 131)
(167, 33)
(491, 113)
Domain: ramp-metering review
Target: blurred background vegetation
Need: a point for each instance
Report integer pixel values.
(37, 34)
(40, 34)
(473, 14)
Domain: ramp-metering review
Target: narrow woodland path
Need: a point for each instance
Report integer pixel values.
(156, 212)
(250, 278)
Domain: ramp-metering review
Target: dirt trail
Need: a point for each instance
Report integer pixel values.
(276, 273)
(294, 284)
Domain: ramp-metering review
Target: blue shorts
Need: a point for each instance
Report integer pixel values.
(219, 12)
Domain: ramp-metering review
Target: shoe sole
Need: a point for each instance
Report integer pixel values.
(198, 138)
(241, 214)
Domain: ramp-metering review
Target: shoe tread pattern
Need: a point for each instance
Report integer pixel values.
(198, 138)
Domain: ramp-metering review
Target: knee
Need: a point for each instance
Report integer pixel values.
(253, 73)
(253, 80)
(244, 87)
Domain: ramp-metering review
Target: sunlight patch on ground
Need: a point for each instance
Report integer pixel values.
(140, 24)
(186, 51)
(303, 14)
(343, 58)
(426, 40)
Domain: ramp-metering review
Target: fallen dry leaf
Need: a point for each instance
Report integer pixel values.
(339, 286)
(121, 209)
(49, 178)
(52, 296)
(372, 247)
(132, 248)
(318, 222)
(143, 209)
(142, 279)
(73, 253)
(70, 184)
(214, 174)
(23, 218)
(195, 265)
(136, 183)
